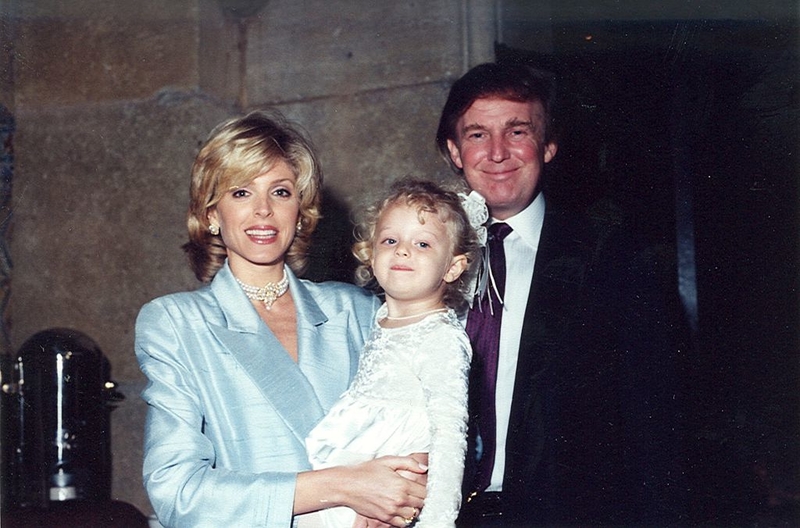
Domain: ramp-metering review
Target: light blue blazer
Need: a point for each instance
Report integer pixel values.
(228, 408)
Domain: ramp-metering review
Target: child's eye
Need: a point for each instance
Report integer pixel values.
(389, 241)
(424, 245)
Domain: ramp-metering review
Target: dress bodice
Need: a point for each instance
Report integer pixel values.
(409, 395)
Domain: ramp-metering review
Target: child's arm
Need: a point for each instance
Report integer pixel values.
(443, 368)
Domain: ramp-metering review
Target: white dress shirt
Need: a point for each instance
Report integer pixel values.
(520, 248)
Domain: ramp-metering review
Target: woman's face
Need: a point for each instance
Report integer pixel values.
(258, 222)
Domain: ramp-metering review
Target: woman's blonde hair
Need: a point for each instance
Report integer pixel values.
(427, 197)
(236, 152)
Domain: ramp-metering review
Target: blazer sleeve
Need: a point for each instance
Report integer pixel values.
(185, 486)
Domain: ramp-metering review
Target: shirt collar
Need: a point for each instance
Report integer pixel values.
(527, 224)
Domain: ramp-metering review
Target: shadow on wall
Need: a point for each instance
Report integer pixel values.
(330, 256)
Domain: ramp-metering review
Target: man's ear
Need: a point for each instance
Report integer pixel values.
(455, 154)
(550, 152)
(457, 266)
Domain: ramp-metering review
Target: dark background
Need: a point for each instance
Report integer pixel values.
(688, 131)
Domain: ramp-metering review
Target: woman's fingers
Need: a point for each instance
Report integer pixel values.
(364, 522)
(406, 519)
(375, 490)
(413, 468)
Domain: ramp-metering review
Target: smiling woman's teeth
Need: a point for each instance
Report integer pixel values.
(261, 232)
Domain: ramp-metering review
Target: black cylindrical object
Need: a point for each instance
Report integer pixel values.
(57, 403)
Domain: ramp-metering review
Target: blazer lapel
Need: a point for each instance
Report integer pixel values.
(263, 358)
(327, 357)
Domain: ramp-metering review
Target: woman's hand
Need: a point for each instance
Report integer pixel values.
(363, 522)
(374, 489)
(378, 492)
(422, 478)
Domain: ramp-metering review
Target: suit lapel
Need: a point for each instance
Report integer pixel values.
(560, 271)
(263, 358)
(562, 260)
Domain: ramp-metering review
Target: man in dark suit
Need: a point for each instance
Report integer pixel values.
(573, 415)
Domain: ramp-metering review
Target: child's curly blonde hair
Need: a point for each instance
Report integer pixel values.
(428, 197)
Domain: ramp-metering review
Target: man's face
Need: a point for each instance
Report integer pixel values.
(500, 147)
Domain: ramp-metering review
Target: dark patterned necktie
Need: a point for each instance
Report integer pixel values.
(483, 328)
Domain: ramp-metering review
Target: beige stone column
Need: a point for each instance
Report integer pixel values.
(480, 30)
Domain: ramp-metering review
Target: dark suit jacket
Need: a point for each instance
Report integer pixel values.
(593, 435)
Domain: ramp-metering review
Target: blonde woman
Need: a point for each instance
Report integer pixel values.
(242, 369)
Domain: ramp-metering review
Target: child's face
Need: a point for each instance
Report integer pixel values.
(413, 261)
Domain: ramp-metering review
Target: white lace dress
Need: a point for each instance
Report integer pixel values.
(408, 396)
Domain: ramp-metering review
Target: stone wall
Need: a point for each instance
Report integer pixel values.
(112, 98)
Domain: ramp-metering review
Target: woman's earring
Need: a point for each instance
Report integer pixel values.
(213, 229)
(299, 224)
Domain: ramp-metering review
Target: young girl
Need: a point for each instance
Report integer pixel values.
(410, 392)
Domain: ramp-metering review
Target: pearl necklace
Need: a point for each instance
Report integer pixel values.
(267, 294)
(404, 317)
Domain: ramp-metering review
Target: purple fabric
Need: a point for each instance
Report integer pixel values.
(483, 328)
